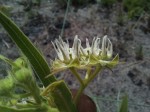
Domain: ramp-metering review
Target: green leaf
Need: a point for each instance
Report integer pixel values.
(124, 104)
(36, 59)
(58, 94)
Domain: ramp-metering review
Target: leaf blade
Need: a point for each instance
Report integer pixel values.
(124, 104)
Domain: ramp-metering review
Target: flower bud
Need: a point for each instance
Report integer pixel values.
(19, 63)
(23, 75)
(6, 86)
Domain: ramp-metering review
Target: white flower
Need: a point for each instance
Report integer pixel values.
(105, 51)
(63, 51)
(99, 53)
(94, 49)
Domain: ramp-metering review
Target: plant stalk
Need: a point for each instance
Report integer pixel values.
(87, 81)
(73, 70)
(92, 76)
(77, 97)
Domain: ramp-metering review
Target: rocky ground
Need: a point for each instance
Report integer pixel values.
(130, 39)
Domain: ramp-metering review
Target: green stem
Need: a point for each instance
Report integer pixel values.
(73, 70)
(84, 83)
(80, 91)
(88, 73)
(35, 91)
(92, 76)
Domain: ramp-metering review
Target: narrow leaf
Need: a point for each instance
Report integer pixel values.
(124, 104)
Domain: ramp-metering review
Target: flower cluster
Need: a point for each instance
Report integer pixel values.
(98, 53)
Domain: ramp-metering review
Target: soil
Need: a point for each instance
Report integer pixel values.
(130, 38)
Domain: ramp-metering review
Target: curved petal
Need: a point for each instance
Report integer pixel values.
(109, 49)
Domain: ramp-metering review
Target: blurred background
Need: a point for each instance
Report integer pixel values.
(127, 24)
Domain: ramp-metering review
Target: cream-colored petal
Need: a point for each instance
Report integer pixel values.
(95, 46)
(83, 51)
(104, 42)
(76, 47)
(64, 51)
(58, 51)
(87, 43)
(109, 49)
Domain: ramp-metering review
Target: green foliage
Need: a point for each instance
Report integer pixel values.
(136, 7)
(56, 93)
(124, 104)
(34, 56)
(42, 108)
(41, 68)
(130, 4)
(136, 12)
(73, 2)
(79, 2)
(6, 87)
(108, 2)
(55, 96)
(21, 76)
